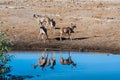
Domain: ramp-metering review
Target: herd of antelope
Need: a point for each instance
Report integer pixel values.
(45, 22)
(45, 61)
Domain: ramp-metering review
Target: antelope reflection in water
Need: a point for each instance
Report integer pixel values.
(44, 61)
(67, 61)
(53, 60)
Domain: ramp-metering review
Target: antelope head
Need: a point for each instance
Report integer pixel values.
(73, 26)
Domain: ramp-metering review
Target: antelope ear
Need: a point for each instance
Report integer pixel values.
(34, 15)
(71, 24)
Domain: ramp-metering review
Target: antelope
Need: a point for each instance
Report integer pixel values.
(42, 19)
(43, 32)
(67, 30)
(45, 19)
(67, 61)
(52, 23)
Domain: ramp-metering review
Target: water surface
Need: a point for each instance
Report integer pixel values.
(89, 66)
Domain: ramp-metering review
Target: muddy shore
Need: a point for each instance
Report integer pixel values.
(61, 46)
(98, 24)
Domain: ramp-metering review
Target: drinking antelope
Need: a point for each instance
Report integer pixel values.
(67, 30)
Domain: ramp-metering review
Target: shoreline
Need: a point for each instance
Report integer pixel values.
(62, 47)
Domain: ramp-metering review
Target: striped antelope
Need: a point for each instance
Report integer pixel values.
(52, 23)
(43, 32)
(67, 30)
(45, 19)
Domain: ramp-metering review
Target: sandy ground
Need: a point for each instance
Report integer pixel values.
(98, 24)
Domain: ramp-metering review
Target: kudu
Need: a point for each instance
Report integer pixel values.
(43, 32)
(45, 19)
(67, 31)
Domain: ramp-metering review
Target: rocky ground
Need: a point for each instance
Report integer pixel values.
(98, 24)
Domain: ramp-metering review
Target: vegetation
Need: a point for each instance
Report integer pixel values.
(4, 58)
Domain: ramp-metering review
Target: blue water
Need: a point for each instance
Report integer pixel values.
(89, 66)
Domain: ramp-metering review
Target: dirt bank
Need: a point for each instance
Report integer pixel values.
(98, 24)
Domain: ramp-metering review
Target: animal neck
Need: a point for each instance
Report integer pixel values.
(41, 23)
(73, 27)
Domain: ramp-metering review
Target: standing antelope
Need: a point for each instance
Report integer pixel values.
(67, 61)
(52, 23)
(67, 30)
(43, 32)
(45, 19)
(42, 19)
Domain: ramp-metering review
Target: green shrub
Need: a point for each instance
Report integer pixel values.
(4, 58)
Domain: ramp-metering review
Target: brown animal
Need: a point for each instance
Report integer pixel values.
(42, 19)
(45, 20)
(52, 23)
(43, 32)
(67, 30)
